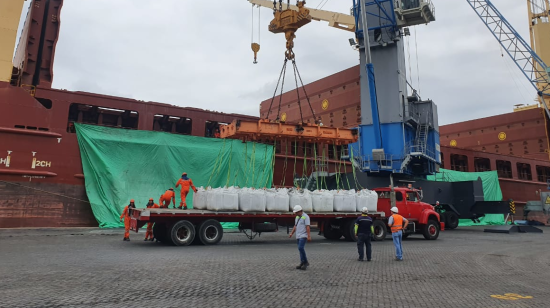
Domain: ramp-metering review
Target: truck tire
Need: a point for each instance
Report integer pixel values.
(349, 230)
(160, 232)
(331, 233)
(451, 220)
(182, 233)
(265, 227)
(431, 230)
(380, 230)
(210, 232)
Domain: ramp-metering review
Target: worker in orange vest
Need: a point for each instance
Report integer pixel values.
(164, 200)
(149, 233)
(185, 183)
(397, 223)
(126, 215)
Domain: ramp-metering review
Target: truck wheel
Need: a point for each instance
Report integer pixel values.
(431, 230)
(451, 220)
(349, 230)
(160, 231)
(380, 230)
(182, 233)
(331, 233)
(210, 232)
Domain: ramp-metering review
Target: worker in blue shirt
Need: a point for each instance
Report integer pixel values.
(363, 231)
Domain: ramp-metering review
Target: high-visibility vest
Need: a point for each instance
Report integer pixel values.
(397, 223)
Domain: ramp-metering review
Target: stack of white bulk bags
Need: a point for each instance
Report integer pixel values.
(277, 200)
(367, 198)
(200, 199)
(302, 198)
(223, 199)
(323, 201)
(344, 201)
(252, 200)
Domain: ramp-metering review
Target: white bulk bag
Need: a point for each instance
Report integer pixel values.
(367, 198)
(200, 199)
(277, 200)
(322, 200)
(223, 199)
(344, 201)
(252, 200)
(302, 198)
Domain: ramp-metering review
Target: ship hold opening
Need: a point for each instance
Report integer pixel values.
(47, 103)
(212, 129)
(504, 169)
(172, 124)
(459, 162)
(482, 164)
(543, 174)
(524, 172)
(103, 116)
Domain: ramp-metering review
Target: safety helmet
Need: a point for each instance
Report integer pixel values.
(151, 199)
(297, 208)
(171, 189)
(437, 203)
(185, 173)
(132, 201)
(365, 210)
(394, 210)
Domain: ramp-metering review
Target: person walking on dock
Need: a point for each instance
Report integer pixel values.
(185, 183)
(397, 223)
(363, 232)
(165, 198)
(303, 234)
(149, 233)
(126, 214)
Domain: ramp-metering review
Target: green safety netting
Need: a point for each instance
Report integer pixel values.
(120, 165)
(491, 191)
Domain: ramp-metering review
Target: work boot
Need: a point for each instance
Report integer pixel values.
(185, 207)
(153, 240)
(360, 259)
(179, 208)
(304, 266)
(145, 240)
(300, 266)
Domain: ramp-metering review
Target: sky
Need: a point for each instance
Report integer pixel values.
(197, 54)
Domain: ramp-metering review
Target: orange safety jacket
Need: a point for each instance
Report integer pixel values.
(186, 184)
(397, 223)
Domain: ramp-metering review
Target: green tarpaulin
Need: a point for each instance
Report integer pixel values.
(120, 165)
(491, 191)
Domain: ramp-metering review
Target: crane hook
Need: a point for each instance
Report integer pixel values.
(255, 49)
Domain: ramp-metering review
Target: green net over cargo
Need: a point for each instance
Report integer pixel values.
(491, 191)
(120, 165)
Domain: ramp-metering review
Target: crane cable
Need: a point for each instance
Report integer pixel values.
(417, 65)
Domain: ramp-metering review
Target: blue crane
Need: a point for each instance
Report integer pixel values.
(525, 58)
(398, 133)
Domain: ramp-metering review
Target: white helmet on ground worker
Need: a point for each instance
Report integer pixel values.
(394, 210)
(297, 208)
(365, 210)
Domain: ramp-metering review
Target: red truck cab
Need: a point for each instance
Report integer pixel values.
(422, 216)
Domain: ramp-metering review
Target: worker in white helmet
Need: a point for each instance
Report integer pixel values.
(363, 231)
(303, 234)
(397, 223)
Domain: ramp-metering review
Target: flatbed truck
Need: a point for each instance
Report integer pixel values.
(184, 227)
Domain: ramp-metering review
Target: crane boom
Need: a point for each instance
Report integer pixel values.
(526, 59)
(335, 20)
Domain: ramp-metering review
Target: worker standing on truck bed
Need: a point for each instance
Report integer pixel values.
(303, 234)
(185, 183)
(149, 233)
(397, 223)
(126, 215)
(164, 200)
(363, 231)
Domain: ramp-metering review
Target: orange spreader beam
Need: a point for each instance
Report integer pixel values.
(263, 129)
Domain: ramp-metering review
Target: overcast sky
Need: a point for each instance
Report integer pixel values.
(197, 54)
